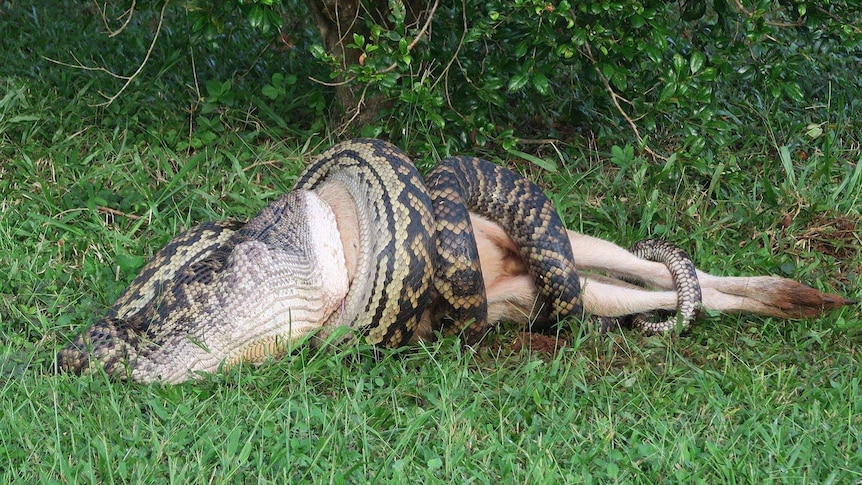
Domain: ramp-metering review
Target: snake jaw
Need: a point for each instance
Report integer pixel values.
(265, 286)
(271, 295)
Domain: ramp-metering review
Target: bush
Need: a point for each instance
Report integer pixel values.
(497, 71)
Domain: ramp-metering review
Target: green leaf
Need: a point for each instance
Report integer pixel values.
(787, 163)
(517, 82)
(273, 20)
(814, 130)
(696, 61)
(317, 51)
(620, 81)
(542, 163)
(793, 91)
(566, 51)
(608, 71)
(371, 130)
(397, 10)
(708, 74)
(256, 16)
(213, 87)
(541, 84)
(434, 117)
(653, 52)
(24, 118)
(270, 92)
(678, 63)
(129, 263)
(667, 92)
(612, 469)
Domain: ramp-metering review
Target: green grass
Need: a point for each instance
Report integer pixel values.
(89, 193)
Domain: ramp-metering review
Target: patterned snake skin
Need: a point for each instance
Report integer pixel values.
(226, 292)
(462, 184)
(685, 281)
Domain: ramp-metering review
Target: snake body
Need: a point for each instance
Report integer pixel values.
(396, 228)
(459, 185)
(226, 292)
(218, 293)
(684, 276)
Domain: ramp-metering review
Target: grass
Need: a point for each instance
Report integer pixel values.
(89, 193)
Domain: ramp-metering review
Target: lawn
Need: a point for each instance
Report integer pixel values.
(90, 192)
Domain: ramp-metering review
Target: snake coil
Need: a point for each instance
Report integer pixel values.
(224, 292)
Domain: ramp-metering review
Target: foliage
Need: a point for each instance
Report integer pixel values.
(501, 70)
(494, 70)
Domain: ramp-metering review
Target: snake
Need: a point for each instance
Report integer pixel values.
(684, 275)
(461, 184)
(225, 292)
(217, 294)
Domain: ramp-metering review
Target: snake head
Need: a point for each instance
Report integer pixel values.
(111, 343)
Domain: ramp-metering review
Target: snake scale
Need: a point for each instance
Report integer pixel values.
(226, 292)
(459, 185)
(684, 275)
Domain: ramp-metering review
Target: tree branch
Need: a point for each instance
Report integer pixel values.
(128, 14)
(416, 39)
(616, 98)
(773, 23)
(128, 79)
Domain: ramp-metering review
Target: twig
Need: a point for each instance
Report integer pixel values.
(616, 98)
(115, 212)
(416, 39)
(128, 14)
(197, 84)
(538, 141)
(82, 67)
(356, 112)
(838, 19)
(342, 36)
(330, 84)
(128, 79)
(146, 58)
(394, 64)
(344, 32)
(445, 74)
(773, 23)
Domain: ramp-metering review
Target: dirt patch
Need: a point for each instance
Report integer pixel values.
(537, 342)
(836, 236)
